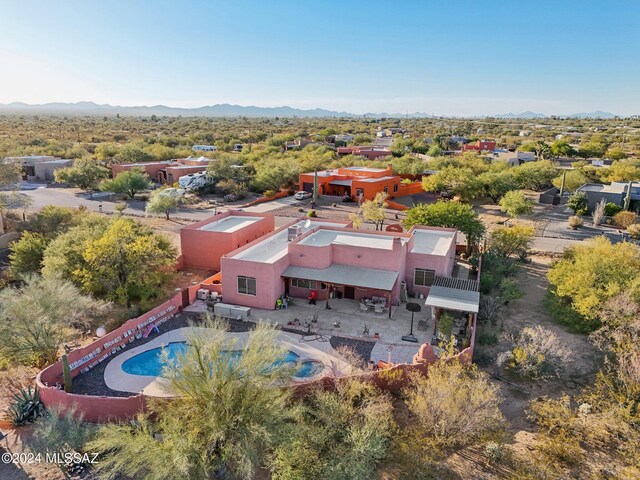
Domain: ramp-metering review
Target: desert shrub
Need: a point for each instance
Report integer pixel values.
(598, 212)
(610, 209)
(562, 313)
(624, 219)
(494, 451)
(578, 202)
(487, 338)
(575, 222)
(63, 434)
(454, 406)
(508, 241)
(509, 290)
(536, 353)
(269, 193)
(229, 198)
(634, 231)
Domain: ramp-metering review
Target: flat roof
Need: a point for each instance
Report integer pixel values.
(324, 237)
(432, 242)
(453, 299)
(275, 247)
(374, 180)
(229, 224)
(366, 169)
(346, 275)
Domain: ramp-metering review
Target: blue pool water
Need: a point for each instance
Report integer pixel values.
(150, 363)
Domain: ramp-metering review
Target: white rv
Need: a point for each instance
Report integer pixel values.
(195, 181)
(205, 148)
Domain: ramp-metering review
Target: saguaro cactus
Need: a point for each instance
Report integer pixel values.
(66, 373)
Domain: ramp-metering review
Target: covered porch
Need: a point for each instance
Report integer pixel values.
(373, 289)
(339, 188)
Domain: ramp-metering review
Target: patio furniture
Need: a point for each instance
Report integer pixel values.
(364, 307)
(378, 308)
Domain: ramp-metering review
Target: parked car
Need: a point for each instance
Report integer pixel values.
(302, 195)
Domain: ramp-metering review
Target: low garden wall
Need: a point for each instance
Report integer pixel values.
(101, 409)
(281, 194)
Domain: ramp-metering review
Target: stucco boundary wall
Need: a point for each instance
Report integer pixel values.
(396, 206)
(282, 194)
(102, 408)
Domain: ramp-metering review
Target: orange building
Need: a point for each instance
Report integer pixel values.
(355, 182)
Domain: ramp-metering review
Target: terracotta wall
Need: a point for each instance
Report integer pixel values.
(202, 249)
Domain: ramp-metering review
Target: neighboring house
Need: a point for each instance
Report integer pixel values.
(45, 171)
(358, 182)
(205, 148)
(28, 164)
(370, 153)
(346, 138)
(165, 172)
(480, 146)
(522, 157)
(615, 193)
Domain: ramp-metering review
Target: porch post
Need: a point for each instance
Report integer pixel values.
(435, 322)
(329, 286)
(389, 304)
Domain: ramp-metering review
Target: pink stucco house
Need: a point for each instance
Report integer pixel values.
(330, 256)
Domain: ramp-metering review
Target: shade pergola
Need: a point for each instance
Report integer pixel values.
(453, 294)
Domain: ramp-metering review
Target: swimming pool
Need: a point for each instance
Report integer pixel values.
(150, 363)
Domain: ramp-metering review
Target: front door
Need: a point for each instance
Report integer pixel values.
(349, 292)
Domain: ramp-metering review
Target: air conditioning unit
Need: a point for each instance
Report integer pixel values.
(294, 232)
(202, 294)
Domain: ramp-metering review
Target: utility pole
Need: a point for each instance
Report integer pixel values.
(564, 175)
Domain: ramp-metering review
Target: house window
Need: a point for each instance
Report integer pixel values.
(386, 189)
(303, 283)
(247, 285)
(359, 192)
(423, 277)
(395, 188)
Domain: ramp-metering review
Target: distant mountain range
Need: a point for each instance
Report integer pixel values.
(530, 115)
(227, 110)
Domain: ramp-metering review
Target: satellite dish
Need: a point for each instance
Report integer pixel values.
(307, 224)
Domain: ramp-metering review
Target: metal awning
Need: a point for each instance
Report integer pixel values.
(346, 275)
(342, 183)
(453, 299)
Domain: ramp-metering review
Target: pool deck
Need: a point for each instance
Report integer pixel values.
(116, 379)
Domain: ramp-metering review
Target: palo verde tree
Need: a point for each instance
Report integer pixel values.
(128, 261)
(129, 183)
(163, 202)
(84, 174)
(37, 317)
(231, 413)
(374, 210)
(515, 204)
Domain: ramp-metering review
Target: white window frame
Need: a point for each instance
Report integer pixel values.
(311, 284)
(246, 290)
(423, 281)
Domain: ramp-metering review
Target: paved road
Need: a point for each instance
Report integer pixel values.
(272, 205)
(66, 197)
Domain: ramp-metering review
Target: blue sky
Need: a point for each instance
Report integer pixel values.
(443, 57)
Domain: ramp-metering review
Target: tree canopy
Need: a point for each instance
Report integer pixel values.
(129, 183)
(447, 214)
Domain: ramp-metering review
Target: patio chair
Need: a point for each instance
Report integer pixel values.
(364, 307)
(378, 308)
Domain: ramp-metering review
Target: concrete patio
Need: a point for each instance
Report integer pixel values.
(352, 322)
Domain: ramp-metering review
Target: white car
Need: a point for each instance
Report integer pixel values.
(302, 195)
